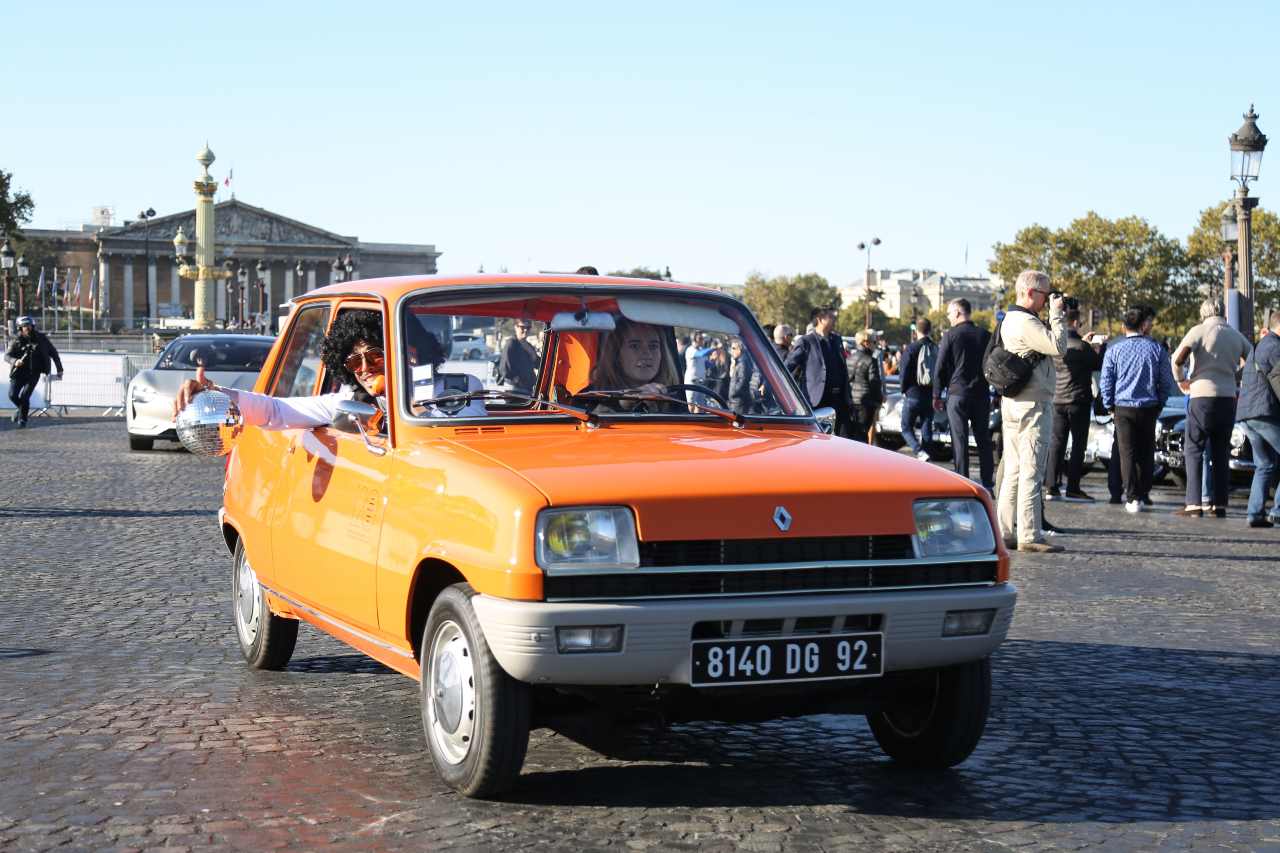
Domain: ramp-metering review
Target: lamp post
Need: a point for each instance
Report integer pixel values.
(146, 216)
(349, 267)
(6, 262)
(233, 294)
(1247, 145)
(335, 271)
(867, 291)
(300, 275)
(23, 272)
(1230, 230)
(261, 283)
(242, 276)
(203, 270)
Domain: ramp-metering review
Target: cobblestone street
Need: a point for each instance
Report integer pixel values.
(1136, 705)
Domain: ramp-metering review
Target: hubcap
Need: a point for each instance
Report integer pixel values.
(248, 603)
(451, 693)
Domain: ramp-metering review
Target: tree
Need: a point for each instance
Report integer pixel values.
(15, 207)
(644, 272)
(788, 299)
(1205, 264)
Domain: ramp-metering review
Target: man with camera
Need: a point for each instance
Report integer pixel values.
(1072, 408)
(1026, 416)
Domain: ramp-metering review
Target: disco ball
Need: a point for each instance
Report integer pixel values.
(204, 424)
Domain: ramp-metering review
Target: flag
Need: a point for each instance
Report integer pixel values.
(93, 291)
(79, 280)
(40, 288)
(227, 181)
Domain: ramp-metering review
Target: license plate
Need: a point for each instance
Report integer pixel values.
(782, 659)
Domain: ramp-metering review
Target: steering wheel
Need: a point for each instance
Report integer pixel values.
(699, 389)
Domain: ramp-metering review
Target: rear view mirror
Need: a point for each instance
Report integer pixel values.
(582, 321)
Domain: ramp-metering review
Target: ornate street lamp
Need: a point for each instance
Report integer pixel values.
(1247, 145)
(335, 271)
(868, 294)
(242, 276)
(203, 270)
(146, 216)
(23, 272)
(261, 283)
(6, 262)
(349, 267)
(1229, 228)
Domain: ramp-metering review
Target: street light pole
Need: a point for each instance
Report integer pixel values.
(1230, 230)
(262, 292)
(23, 272)
(1247, 145)
(146, 216)
(6, 261)
(866, 290)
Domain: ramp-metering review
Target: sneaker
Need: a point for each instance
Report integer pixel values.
(1048, 527)
(22, 424)
(1039, 547)
(1078, 496)
(1053, 494)
(1133, 507)
(15, 417)
(923, 456)
(1260, 522)
(1189, 512)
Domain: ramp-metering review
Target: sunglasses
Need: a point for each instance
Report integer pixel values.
(372, 358)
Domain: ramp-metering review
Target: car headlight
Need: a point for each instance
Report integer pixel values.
(143, 393)
(587, 537)
(949, 528)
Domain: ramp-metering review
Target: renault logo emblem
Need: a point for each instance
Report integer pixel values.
(782, 518)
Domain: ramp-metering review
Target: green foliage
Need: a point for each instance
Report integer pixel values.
(1205, 262)
(644, 272)
(789, 299)
(15, 207)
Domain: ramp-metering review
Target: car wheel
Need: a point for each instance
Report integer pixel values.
(141, 442)
(266, 640)
(476, 716)
(942, 721)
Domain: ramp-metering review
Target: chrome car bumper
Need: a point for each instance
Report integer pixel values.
(657, 634)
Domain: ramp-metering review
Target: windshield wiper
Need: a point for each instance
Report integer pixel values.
(734, 418)
(494, 394)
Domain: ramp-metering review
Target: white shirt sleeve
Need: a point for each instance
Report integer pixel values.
(276, 413)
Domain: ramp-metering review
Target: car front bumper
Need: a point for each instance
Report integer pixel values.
(657, 634)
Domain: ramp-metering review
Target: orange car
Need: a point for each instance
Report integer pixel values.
(615, 535)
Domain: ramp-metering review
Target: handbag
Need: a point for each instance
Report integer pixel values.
(1007, 371)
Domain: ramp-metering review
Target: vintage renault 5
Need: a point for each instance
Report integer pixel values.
(612, 537)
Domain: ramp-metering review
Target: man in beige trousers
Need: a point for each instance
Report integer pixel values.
(1026, 417)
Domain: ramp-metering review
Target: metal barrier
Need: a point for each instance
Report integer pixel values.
(39, 398)
(91, 379)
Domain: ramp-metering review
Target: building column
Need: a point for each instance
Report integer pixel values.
(220, 300)
(311, 278)
(152, 294)
(175, 286)
(288, 282)
(268, 297)
(127, 308)
(104, 285)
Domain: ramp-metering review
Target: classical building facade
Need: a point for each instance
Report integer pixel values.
(137, 273)
(925, 290)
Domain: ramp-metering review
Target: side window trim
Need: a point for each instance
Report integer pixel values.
(295, 328)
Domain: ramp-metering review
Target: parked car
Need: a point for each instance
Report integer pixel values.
(229, 360)
(594, 545)
(470, 347)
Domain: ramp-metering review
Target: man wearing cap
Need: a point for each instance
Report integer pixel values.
(29, 357)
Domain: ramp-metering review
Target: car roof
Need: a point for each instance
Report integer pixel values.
(393, 288)
(222, 337)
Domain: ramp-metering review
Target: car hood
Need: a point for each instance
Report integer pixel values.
(720, 483)
(168, 381)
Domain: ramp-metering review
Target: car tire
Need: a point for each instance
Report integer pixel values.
(141, 442)
(942, 725)
(266, 640)
(475, 716)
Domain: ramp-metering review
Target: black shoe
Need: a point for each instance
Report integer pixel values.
(1051, 528)
(1078, 496)
(1220, 512)
(1146, 500)
(22, 424)
(1053, 493)
(1116, 499)
(1260, 522)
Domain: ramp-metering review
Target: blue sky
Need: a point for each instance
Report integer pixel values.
(716, 138)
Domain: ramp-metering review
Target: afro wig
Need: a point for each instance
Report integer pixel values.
(350, 328)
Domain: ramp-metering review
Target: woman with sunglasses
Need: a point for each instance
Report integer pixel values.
(352, 352)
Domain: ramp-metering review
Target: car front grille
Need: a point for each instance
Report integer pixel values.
(637, 584)
(739, 552)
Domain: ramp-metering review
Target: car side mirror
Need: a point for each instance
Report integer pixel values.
(826, 418)
(353, 417)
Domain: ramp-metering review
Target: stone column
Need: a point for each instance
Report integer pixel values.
(175, 286)
(220, 311)
(127, 309)
(311, 278)
(152, 290)
(288, 282)
(104, 286)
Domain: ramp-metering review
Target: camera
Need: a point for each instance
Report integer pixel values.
(1069, 303)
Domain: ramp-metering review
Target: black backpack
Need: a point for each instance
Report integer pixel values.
(1006, 371)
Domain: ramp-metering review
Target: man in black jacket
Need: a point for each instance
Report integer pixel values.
(1072, 409)
(968, 403)
(916, 394)
(742, 379)
(865, 387)
(817, 362)
(29, 357)
(518, 363)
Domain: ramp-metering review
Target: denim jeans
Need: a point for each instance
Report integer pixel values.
(1264, 439)
(917, 407)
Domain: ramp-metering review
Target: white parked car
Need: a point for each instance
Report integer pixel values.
(470, 347)
(229, 360)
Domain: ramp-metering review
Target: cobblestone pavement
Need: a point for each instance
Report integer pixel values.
(1136, 706)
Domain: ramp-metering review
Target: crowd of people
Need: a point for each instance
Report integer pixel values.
(1064, 378)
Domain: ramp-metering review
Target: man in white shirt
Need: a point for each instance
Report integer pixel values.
(1026, 417)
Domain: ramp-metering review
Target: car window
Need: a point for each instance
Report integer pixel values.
(300, 360)
(228, 354)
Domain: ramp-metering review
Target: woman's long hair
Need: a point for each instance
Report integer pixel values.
(607, 374)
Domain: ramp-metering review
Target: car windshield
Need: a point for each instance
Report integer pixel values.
(609, 353)
(230, 354)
